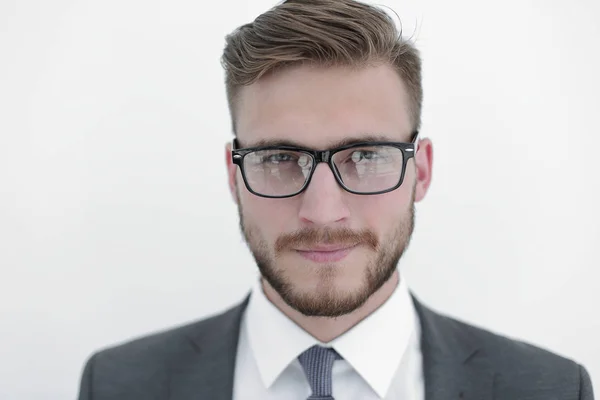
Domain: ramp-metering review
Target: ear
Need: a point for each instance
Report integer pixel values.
(423, 163)
(231, 173)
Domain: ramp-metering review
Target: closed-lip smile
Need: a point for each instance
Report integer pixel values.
(326, 253)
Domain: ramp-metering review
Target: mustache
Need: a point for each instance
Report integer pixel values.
(307, 237)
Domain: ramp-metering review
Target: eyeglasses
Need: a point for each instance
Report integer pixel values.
(364, 168)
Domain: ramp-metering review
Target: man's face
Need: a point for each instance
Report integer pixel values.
(326, 251)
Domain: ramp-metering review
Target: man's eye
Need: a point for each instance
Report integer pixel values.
(278, 158)
(360, 155)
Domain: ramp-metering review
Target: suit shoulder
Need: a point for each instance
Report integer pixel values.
(522, 366)
(139, 368)
(167, 343)
(506, 350)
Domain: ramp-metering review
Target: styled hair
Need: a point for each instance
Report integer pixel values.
(327, 33)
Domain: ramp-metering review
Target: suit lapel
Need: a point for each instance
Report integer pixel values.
(207, 372)
(454, 363)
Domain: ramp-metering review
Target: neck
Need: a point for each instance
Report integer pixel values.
(325, 329)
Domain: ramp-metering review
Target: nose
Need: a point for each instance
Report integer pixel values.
(323, 199)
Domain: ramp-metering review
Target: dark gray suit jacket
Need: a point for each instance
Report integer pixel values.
(197, 361)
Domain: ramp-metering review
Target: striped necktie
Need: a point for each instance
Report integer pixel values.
(317, 363)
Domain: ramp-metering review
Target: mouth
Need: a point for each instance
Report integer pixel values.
(326, 254)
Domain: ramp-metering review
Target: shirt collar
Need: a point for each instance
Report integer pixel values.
(381, 338)
(274, 339)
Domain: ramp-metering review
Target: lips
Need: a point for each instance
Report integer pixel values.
(327, 253)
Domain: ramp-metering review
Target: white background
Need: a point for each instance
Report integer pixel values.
(115, 217)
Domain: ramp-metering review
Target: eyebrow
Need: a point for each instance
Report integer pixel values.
(340, 143)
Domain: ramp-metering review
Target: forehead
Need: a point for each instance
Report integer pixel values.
(316, 106)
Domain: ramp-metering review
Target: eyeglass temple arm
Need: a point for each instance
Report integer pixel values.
(415, 140)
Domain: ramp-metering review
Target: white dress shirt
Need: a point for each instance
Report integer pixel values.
(382, 355)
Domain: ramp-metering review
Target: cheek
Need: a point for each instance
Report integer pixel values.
(271, 216)
(381, 212)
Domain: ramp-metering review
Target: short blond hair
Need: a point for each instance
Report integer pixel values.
(326, 33)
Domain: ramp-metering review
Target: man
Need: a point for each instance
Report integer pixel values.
(325, 99)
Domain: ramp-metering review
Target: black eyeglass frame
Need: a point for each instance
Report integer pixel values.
(317, 156)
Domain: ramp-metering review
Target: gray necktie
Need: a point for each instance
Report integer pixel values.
(318, 364)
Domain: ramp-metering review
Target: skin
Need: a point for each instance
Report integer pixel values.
(317, 108)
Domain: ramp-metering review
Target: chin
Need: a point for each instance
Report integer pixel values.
(326, 300)
(328, 278)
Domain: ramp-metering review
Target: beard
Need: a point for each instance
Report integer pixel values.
(329, 302)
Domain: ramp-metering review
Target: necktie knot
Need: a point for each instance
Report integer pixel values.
(317, 363)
